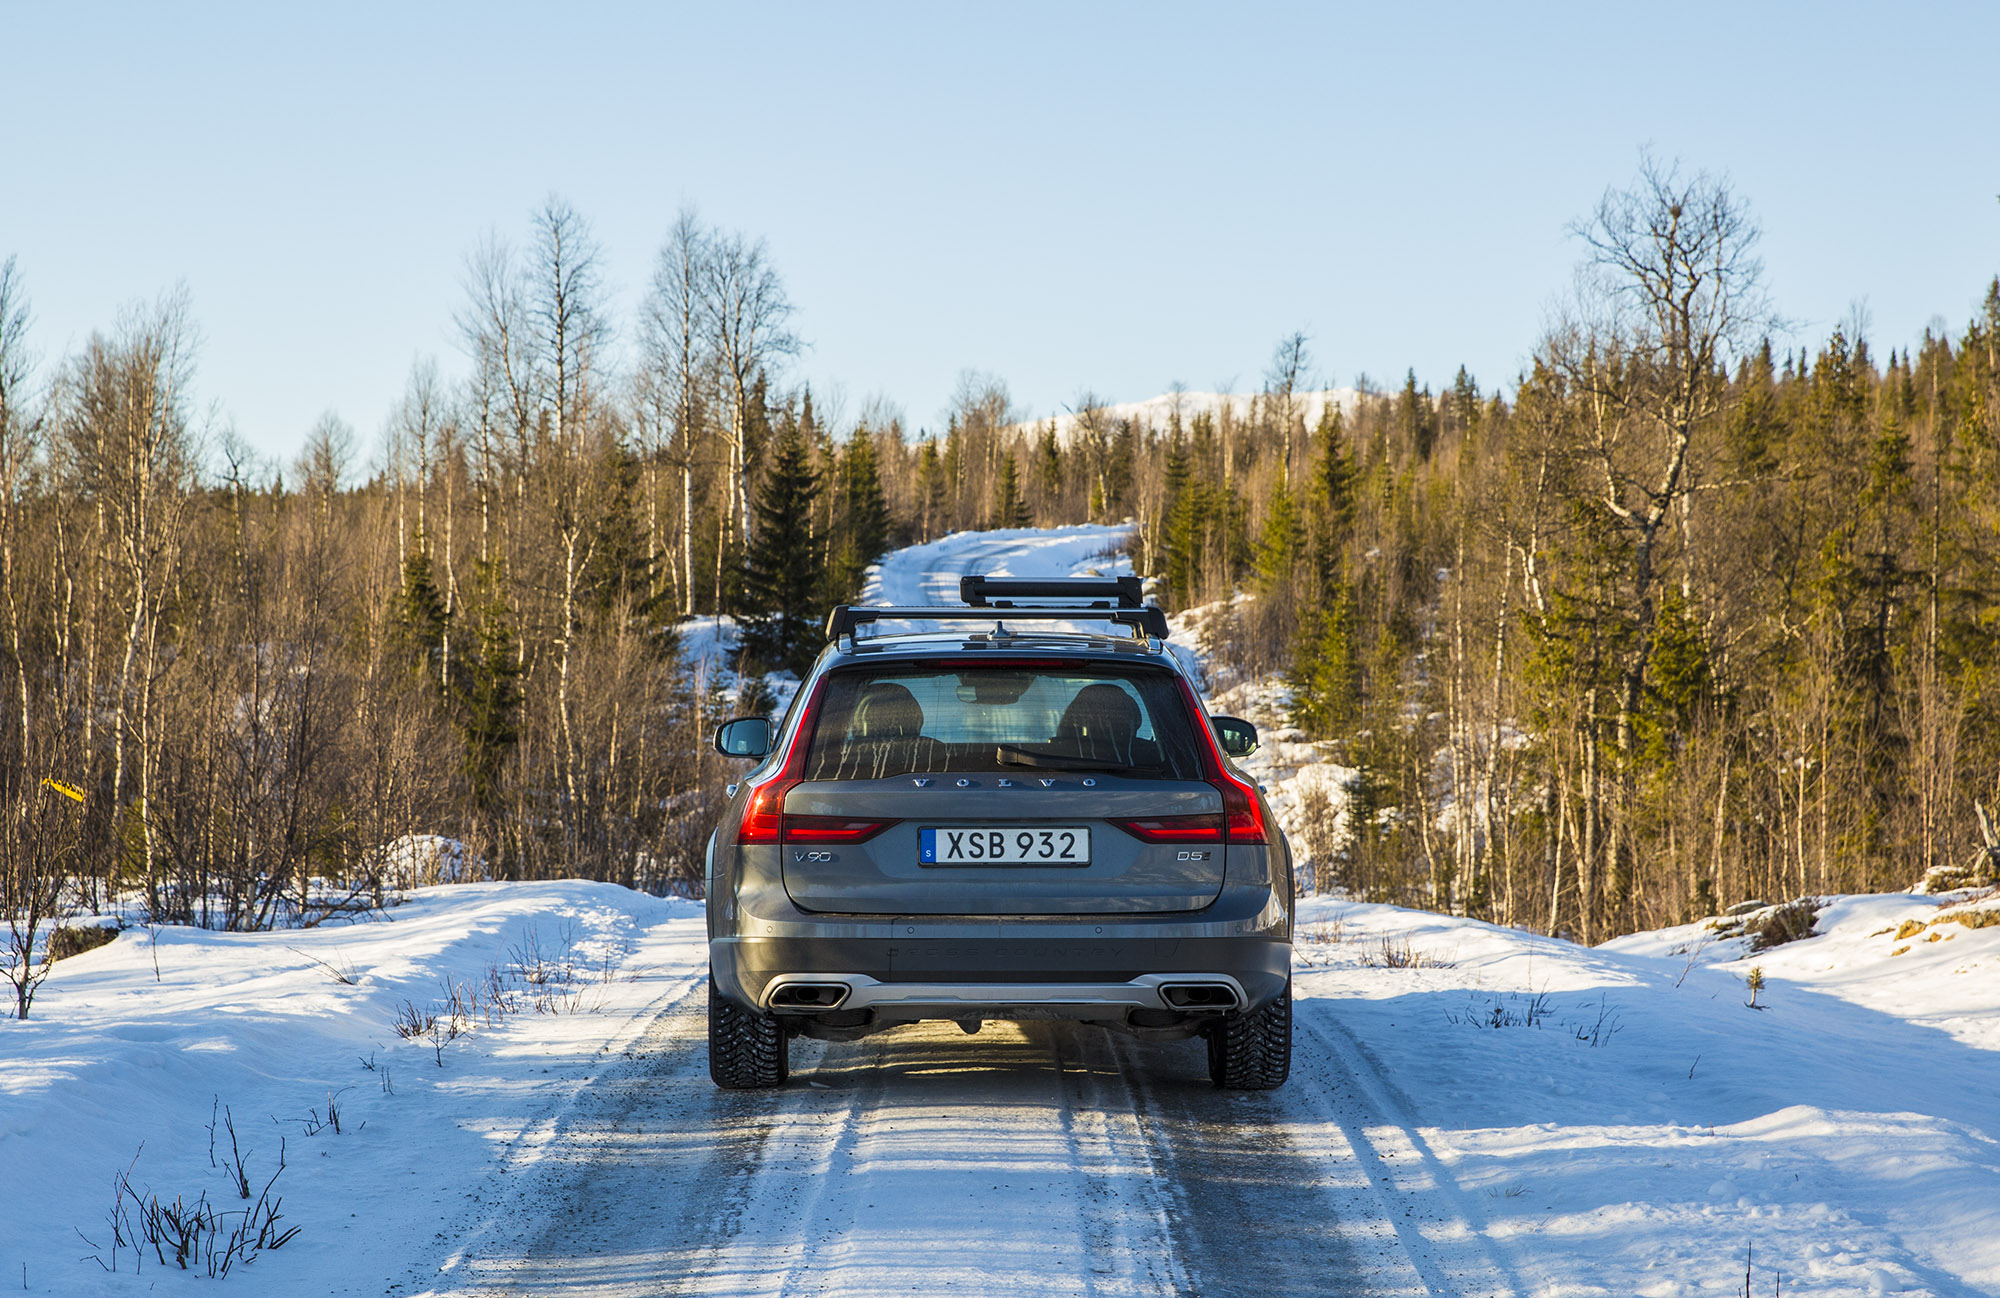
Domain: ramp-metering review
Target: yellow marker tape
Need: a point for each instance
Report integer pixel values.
(67, 790)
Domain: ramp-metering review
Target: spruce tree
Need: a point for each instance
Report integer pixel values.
(1281, 545)
(620, 573)
(1330, 504)
(418, 631)
(1326, 676)
(954, 477)
(784, 578)
(930, 491)
(1417, 414)
(490, 696)
(1009, 509)
(1048, 462)
(863, 523)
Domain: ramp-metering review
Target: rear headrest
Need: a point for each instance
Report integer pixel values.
(887, 711)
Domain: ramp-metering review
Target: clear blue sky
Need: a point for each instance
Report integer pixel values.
(1070, 196)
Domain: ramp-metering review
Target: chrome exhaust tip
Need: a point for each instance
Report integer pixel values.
(1199, 996)
(808, 996)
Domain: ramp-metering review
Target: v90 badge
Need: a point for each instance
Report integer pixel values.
(827, 857)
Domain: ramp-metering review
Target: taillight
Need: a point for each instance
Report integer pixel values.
(1240, 807)
(831, 829)
(764, 812)
(1175, 829)
(764, 809)
(1242, 813)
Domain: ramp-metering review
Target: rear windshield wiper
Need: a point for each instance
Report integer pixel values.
(1011, 755)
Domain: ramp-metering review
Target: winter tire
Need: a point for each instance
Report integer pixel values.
(746, 1051)
(1253, 1052)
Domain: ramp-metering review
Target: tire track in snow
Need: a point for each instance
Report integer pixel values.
(1124, 1208)
(1361, 1108)
(1254, 1207)
(947, 1164)
(1030, 1159)
(921, 1160)
(657, 1031)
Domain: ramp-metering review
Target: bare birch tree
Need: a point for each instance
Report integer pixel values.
(127, 437)
(671, 376)
(1670, 295)
(744, 310)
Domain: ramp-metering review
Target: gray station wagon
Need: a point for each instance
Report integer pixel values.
(1031, 817)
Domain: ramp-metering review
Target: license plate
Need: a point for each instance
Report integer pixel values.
(985, 845)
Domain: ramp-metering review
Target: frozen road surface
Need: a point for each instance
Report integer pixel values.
(1028, 1159)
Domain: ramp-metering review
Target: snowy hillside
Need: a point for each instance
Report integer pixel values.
(928, 574)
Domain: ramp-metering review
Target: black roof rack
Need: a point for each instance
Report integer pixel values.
(982, 595)
(998, 592)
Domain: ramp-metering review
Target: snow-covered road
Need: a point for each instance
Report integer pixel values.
(1030, 1159)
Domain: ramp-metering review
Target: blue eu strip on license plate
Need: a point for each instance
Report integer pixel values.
(927, 839)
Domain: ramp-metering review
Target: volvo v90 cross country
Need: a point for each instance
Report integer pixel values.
(1014, 819)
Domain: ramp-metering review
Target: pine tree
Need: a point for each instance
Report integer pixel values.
(784, 578)
(1009, 509)
(863, 525)
(930, 492)
(1325, 676)
(490, 697)
(619, 573)
(418, 631)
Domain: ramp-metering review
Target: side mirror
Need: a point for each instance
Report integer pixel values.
(744, 737)
(1238, 737)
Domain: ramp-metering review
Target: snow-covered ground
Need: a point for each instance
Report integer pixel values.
(928, 574)
(1513, 1114)
(1473, 1109)
(1624, 1122)
(136, 1048)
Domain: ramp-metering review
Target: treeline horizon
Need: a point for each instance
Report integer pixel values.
(1687, 619)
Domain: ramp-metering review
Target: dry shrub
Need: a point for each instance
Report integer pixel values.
(72, 940)
(1781, 924)
(1394, 954)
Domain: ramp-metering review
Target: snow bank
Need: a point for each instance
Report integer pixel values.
(137, 1046)
(1630, 1125)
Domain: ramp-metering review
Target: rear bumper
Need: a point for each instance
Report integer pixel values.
(1168, 993)
(1084, 967)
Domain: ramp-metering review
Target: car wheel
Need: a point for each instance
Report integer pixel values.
(1253, 1052)
(746, 1051)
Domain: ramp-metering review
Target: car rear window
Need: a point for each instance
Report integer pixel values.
(911, 719)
